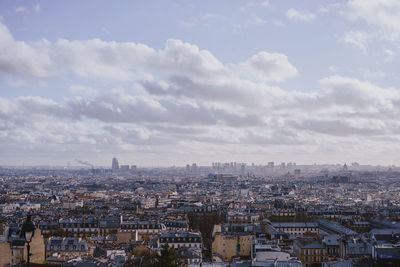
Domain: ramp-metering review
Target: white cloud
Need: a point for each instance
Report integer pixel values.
(279, 23)
(20, 9)
(333, 69)
(37, 8)
(382, 15)
(265, 3)
(83, 90)
(127, 61)
(105, 30)
(389, 55)
(368, 74)
(346, 110)
(266, 67)
(208, 16)
(299, 15)
(358, 39)
(256, 20)
(249, 4)
(181, 97)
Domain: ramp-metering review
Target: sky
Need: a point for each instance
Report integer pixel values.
(161, 83)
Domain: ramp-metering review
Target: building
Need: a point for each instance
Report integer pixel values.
(109, 225)
(354, 247)
(124, 168)
(80, 227)
(296, 228)
(115, 165)
(242, 169)
(310, 251)
(143, 230)
(180, 239)
(332, 245)
(67, 246)
(385, 245)
(330, 227)
(232, 244)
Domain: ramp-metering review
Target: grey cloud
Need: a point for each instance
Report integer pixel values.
(124, 108)
(336, 128)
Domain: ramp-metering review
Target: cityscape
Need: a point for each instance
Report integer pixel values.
(213, 133)
(224, 214)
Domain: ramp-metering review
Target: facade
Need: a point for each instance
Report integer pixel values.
(180, 239)
(115, 165)
(385, 245)
(17, 252)
(67, 246)
(109, 225)
(332, 245)
(232, 245)
(310, 251)
(80, 227)
(143, 230)
(354, 247)
(296, 228)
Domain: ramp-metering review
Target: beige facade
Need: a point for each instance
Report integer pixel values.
(5, 253)
(226, 246)
(310, 255)
(37, 250)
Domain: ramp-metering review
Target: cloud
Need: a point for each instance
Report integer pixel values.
(361, 98)
(375, 74)
(21, 58)
(279, 23)
(383, 15)
(358, 39)
(266, 3)
(344, 110)
(267, 67)
(390, 55)
(20, 9)
(37, 8)
(83, 90)
(249, 4)
(257, 21)
(337, 127)
(105, 30)
(208, 16)
(299, 15)
(181, 101)
(185, 64)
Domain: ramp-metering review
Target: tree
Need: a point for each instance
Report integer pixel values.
(140, 256)
(168, 258)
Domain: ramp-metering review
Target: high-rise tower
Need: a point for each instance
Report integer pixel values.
(115, 165)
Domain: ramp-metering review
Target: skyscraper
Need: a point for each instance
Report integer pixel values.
(115, 165)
